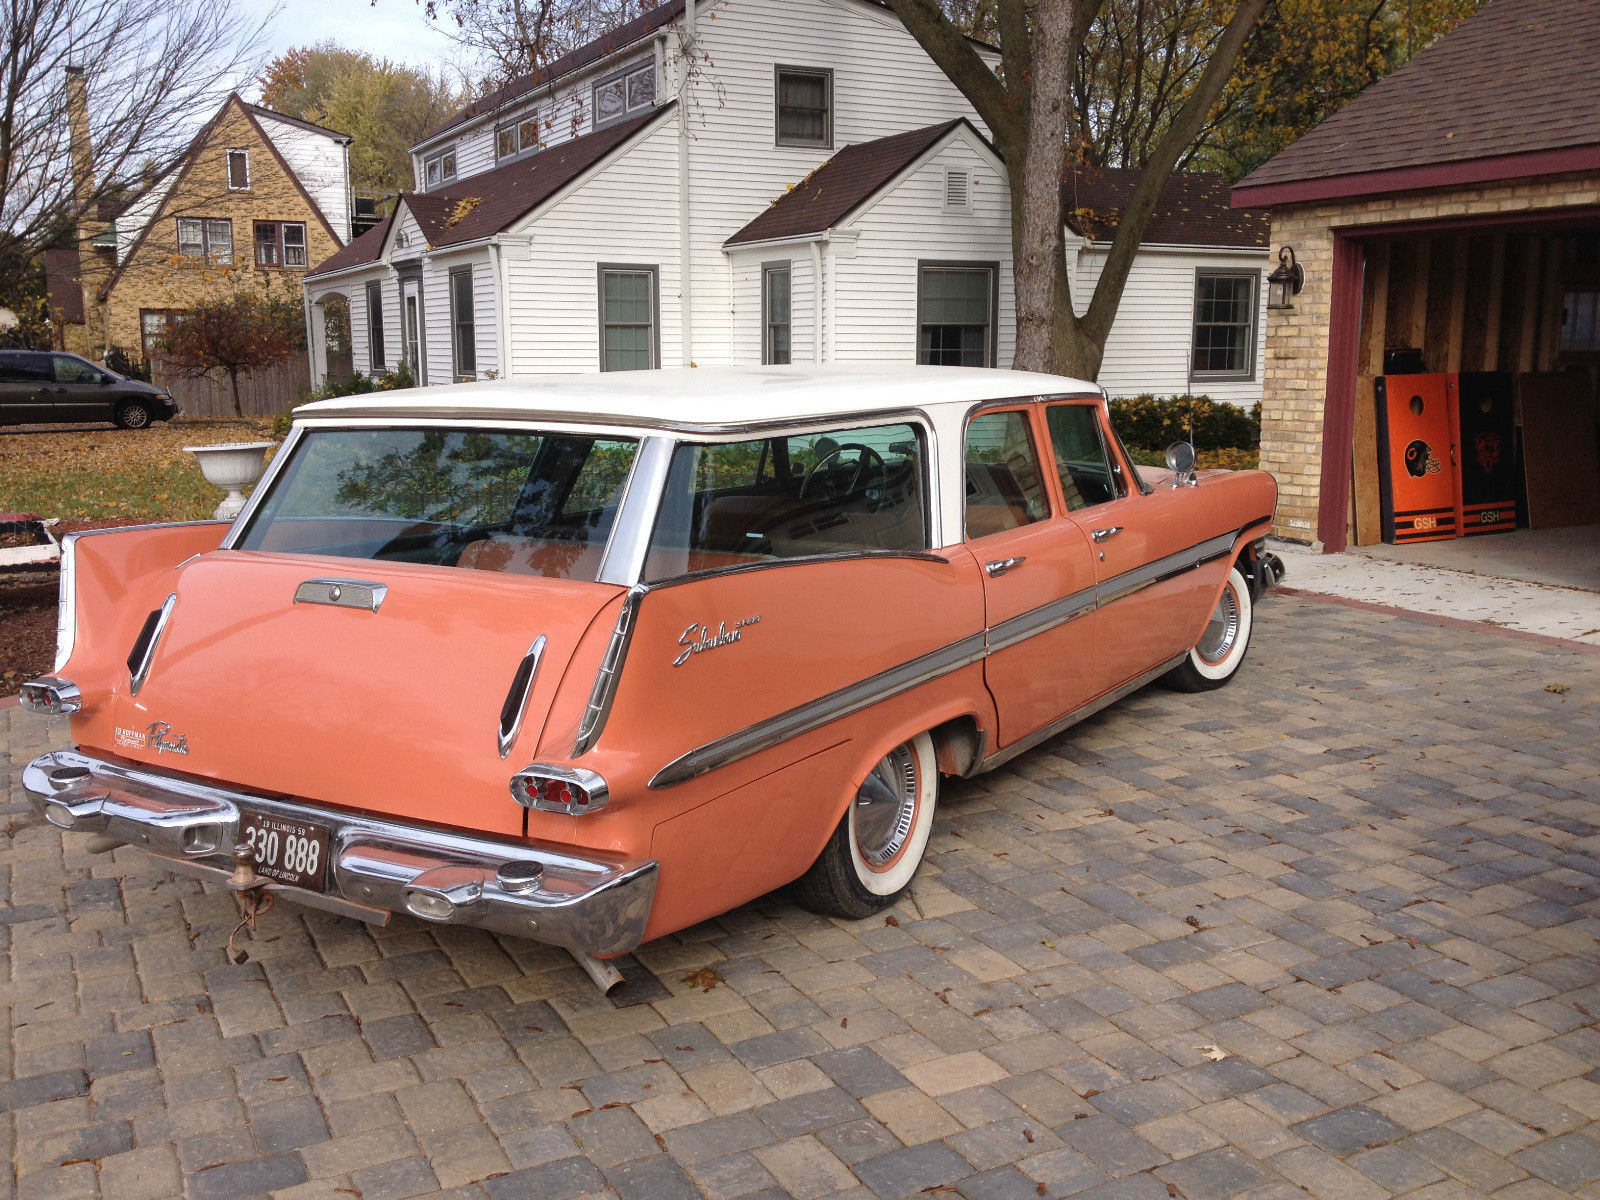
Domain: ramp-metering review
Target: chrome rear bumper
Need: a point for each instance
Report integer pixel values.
(376, 866)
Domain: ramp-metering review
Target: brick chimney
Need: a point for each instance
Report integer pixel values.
(92, 272)
(78, 125)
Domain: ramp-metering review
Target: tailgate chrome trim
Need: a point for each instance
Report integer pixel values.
(591, 905)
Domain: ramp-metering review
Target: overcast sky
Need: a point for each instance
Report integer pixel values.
(392, 29)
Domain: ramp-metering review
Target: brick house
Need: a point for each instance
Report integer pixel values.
(256, 196)
(1448, 222)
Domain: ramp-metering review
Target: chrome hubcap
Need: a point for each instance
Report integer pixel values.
(1222, 630)
(886, 807)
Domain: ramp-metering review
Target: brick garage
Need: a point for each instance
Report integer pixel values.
(1449, 219)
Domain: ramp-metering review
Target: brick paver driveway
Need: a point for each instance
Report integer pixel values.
(1330, 930)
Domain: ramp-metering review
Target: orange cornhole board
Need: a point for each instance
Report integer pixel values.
(1418, 481)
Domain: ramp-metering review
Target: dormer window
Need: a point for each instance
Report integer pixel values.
(439, 168)
(805, 107)
(238, 170)
(519, 137)
(625, 94)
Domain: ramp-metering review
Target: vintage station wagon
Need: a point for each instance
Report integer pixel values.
(591, 659)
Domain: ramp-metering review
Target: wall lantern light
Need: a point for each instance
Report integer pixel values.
(1284, 284)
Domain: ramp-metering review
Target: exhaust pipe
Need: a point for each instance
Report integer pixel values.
(606, 977)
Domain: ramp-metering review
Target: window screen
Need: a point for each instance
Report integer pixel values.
(461, 320)
(1004, 489)
(1224, 323)
(955, 316)
(804, 108)
(775, 304)
(627, 319)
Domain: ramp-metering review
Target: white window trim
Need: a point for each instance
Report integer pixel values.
(245, 187)
(205, 240)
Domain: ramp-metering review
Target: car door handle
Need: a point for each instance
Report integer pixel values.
(1000, 566)
(1101, 535)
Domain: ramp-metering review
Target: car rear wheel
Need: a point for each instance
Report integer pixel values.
(1215, 658)
(133, 414)
(879, 843)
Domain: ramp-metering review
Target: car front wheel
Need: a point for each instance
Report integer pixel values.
(880, 841)
(131, 414)
(1215, 658)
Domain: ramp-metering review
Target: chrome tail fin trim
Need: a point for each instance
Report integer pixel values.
(517, 697)
(610, 673)
(144, 646)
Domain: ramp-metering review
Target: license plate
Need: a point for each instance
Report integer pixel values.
(287, 850)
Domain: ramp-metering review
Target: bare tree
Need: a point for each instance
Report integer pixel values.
(522, 37)
(151, 70)
(1030, 111)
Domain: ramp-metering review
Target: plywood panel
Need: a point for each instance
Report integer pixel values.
(1558, 449)
(1364, 467)
(1408, 295)
(1374, 309)
(1455, 325)
(1436, 344)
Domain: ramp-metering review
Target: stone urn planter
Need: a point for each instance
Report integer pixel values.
(232, 466)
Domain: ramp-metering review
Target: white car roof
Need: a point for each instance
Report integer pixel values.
(713, 399)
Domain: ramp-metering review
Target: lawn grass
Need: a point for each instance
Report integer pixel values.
(83, 473)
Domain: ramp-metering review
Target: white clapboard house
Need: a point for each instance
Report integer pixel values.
(758, 181)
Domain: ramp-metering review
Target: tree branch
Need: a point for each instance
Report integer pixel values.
(954, 55)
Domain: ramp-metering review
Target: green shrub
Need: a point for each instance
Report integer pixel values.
(1228, 458)
(1149, 422)
(359, 384)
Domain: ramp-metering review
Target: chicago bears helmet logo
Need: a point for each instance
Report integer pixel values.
(1420, 460)
(1488, 447)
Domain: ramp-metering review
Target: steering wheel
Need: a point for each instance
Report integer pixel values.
(863, 453)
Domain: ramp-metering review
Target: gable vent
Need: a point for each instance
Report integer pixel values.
(958, 191)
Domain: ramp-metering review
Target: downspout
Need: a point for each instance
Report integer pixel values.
(816, 302)
(685, 265)
(311, 345)
(502, 317)
(349, 198)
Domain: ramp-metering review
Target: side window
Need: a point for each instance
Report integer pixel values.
(1081, 457)
(75, 370)
(24, 367)
(1004, 488)
(795, 496)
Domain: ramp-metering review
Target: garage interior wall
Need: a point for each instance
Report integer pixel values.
(1485, 302)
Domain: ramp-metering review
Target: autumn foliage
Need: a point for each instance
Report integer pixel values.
(236, 335)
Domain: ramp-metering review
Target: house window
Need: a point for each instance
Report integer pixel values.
(1580, 322)
(1225, 323)
(464, 334)
(439, 168)
(238, 170)
(805, 107)
(955, 314)
(154, 324)
(375, 355)
(625, 94)
(775, 313)
(206, 238)
(519, 137)
(280, 243)
(628, 319)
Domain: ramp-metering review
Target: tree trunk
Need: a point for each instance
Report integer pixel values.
(238, 405)
(1039, 264)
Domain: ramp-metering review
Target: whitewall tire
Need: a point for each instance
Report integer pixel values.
(1215, 658)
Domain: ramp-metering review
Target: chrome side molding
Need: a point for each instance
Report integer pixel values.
(517, 698)
(144, 646)
(342, 593)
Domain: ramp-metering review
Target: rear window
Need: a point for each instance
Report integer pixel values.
(521, 503)
(794, 496)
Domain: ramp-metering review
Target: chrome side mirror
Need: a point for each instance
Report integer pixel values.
(1180, 461)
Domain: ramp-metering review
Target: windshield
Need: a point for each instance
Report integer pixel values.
(523, 503)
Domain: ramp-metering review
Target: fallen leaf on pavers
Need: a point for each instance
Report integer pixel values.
(1214, 1053)
(1172, 1191)
(1028, 1133)
(705, 979)
(1192, 920)
(1559, 689)
(844, 1022)
(891, 919)
(1040, 1190)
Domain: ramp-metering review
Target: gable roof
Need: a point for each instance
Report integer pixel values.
(1193, 209)
(187, 161)
(843, 184)
(481, 205)
(607, 44)
(275, 115)
(1515, 80)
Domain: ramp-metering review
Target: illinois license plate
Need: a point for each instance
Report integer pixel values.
(287, 850)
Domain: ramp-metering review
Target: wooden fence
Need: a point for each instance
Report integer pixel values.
(263, 394)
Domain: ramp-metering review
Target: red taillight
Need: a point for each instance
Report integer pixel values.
(572, 790)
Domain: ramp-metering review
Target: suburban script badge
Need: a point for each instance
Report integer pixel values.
(698, 638)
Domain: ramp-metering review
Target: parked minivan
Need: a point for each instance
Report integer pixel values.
(40, 386)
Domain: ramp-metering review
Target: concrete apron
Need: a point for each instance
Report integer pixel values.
(1547, 609)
